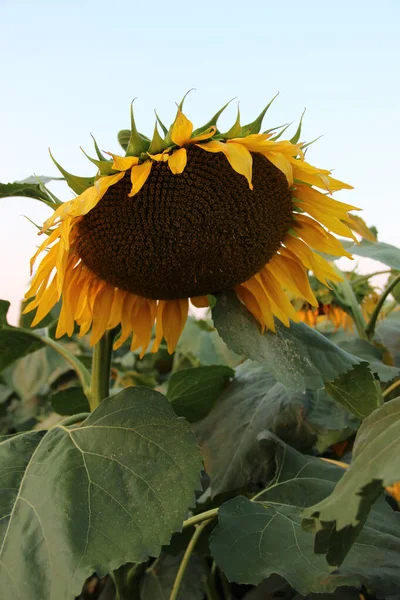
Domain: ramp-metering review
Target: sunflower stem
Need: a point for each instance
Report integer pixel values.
(370, 328)
(185, 560)
(101, 366)
(390, 389)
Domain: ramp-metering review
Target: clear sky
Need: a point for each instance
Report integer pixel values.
(72, 67)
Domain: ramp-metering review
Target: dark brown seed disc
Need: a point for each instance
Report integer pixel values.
(192, 234)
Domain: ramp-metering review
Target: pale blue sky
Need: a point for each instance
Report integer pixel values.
(70, 68)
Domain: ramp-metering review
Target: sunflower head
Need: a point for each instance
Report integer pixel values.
(188, 213)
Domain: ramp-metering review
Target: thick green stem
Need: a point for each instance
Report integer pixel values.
(185, 560)
(370, 329)
(390, 389)
(208, 514)
(101, 365)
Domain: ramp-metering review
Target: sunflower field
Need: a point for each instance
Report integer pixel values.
(198, 403)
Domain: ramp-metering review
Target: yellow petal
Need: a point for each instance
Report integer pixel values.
(174, 317)
(320, 267)
(126, 319)
(200, 301)
(282, 163)
(177, 161)
(116, 309)
(162, 157)
(281, 307)
(123, 163)
(316, 237)
(103, 183)
(206, 135)
(139, 177)
(359, 226)
(47, 302)
(255, 286)
(251, 304)
(181, 129)
(238, 156)
(292, 276)
(101, 312)
(143, 316)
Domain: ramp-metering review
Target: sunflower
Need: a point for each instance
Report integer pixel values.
(182, 216)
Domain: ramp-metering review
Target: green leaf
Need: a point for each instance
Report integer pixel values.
(158, 581)
(297, 135)
(200, 340)
(388, 331)
(235, 130)
(36, 372)
(28, 190)
(211, 123)
(88, 499)
(371, 353)
(157, 143)
(123, 138)
(297, 356)
(255, 539)
(16, 343)
(137, 142)
(384, 253)
(339, 517)
(255, 126)
(4, 308)
(70, 401)
(193, 392)
(254, 402)
(356, 391)
(76, 183)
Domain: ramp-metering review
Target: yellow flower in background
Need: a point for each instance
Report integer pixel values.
(184, 216)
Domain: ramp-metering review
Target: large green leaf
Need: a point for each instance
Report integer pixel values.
(90, 498)
(253, 403)
(371, 353)
(35, 373)
(158, 581)
(375, 464)
(257, 538)
(15, 343)
(193, 392)
(356, 391)
(388, 332)
(297, 356)
(200, 340)
(69, 401)
(384, 253)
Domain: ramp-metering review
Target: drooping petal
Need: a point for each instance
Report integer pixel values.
(139, 176)
(282, 163)
(238, 157)
(177, 161)
(174, 314)
(181, 129)
(317, 237)
(126, 320)
(101, 313)
(206, 135)
(280, 304)
(144, 314)
(255, 286)
(123, 163)
(292, 276)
